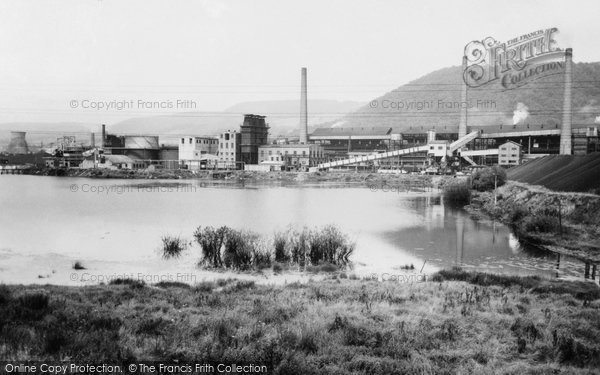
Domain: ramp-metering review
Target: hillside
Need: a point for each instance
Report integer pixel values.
(561, 172)
(542, 100)
(282, 116)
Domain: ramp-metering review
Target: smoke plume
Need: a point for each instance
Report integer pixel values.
(520, 114)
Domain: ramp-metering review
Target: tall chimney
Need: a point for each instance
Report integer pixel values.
(103, 136)
(93, 140)
(303, 110)
(462, 126)
(565, 131)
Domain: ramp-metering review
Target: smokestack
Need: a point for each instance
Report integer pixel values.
(18, 144)
(103, 136)
(565, 132)
(462, 126)
(303, 110)
(93, 140)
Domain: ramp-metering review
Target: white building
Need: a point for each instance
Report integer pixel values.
(229, 149)
(198, 152)
(291, 156)
(509, 153)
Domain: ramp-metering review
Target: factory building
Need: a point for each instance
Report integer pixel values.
(198, 152)
(254, 133)
(229, 152)
(509, 154)
(291, 157)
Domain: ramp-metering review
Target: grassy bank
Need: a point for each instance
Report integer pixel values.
(564, 222)
(478, 324)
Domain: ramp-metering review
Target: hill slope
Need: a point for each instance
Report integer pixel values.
(542, 99)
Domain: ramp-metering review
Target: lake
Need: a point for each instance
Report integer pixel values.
(114, 227)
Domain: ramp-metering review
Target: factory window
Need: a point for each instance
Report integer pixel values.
(226, 145)
(221, 145)
(514, 155)
(503, 148)
(440, 148)
(182, 140)
(226, 136)
(303, 152)
(295, 152)
(431, 148)
(270, 153)
(190, 140)
(514, 148)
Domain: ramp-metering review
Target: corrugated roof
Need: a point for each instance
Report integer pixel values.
(380, 130)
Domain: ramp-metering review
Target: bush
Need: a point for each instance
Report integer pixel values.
(517, 214)
(484, 179)
(78, 266)
(172, 246)
(541, 223)
(238, 252)
(211, 240)
(458, 193)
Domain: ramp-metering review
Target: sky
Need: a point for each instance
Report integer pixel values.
(61, 60)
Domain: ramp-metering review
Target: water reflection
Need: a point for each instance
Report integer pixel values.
(449, 236)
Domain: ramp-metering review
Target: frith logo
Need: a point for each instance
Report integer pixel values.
(513, 63)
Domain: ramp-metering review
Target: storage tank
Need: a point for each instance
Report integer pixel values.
(18, 144)
(141, 147)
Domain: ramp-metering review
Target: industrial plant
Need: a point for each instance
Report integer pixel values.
(425, 149)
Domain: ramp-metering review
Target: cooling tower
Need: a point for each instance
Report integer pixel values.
(17, 144)
(303, 109)
(565, 132)
(462, 126)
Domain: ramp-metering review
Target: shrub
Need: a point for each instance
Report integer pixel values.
(78, 266)
(541, 223)
(329, 244)
(237, 253)
(458, 193)
(484, 179)
(211, 240)
(172, 246)
(517, 214)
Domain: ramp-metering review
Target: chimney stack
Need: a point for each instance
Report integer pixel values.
(303, 110)
(103, 136)
(93, 140)
(565, 131)
(462, 126)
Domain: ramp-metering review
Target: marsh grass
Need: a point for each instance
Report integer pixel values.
(244, 250)
(172, 246)
(484, 324)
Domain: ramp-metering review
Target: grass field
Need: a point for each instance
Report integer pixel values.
(458, 323)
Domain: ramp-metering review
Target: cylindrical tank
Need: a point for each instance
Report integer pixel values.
(141, 147)
(141, 142)
(18, 144)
